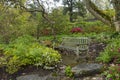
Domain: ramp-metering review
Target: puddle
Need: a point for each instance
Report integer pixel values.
(69, 60)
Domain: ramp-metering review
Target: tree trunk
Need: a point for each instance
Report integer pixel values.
(115, 22)
(71, 16)
(117, 26)
(71, 11)
(94, 12)
(116, 5)
(37, 33)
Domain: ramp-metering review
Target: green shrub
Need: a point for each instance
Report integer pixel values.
(101, 37)
(25, 51)
(68, 71)
(96, 27)
(113, 72)
(111, 52)
(26, 39)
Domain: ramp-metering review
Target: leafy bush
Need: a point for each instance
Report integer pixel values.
(113, 72)
(96, 27)
(46, 31)
(115, 35)
(111, 52)
(101, 37)
(25, 51)
(68, 71)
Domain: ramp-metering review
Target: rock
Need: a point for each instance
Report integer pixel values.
(49, 68)
(38, 77)
(96, 77)
(32, 77)
(62, 67)
(86, 69)
(53, 78)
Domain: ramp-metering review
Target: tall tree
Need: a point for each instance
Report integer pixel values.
(73, 6)
(116, 5)
(111, 21)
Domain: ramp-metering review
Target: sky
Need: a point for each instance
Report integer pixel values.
(54, 4)
(51, 4)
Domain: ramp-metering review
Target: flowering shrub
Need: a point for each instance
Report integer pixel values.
(76, 30)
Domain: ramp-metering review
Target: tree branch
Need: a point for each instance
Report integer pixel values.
(96, 12)
(39, 9)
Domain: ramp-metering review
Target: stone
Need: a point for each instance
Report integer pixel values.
(86, 69)
(32, 77)
(38, 77)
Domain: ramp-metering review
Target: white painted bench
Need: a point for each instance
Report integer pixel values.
(77, 44)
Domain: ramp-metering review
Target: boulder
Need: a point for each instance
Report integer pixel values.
(32, 77)
(87, 69)
(38, 77)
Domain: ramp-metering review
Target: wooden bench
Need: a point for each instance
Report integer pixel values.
(76, 44)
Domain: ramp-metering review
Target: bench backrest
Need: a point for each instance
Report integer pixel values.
(73, 42)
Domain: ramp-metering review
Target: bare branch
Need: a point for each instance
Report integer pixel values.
(39, 9)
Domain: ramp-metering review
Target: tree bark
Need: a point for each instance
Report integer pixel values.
(116, 5)
(117, 26)
(95, 13)
(71, 16)
(115, 22)
(71, 10)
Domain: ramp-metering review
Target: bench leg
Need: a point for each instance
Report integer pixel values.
(77, 51)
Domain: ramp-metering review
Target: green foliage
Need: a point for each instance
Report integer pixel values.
(21, 23)
(25, 51)
(68, 71)
(74, 8)
(115, 35)
(104, 57)
(95, 26)
(110, 12)
(111, 52)
(2, 58)
(81, 8)
(59, 26)
(100, 11)
(113, 72)
(57, 17)
(15, 22)
(95, 37)
(25, 39)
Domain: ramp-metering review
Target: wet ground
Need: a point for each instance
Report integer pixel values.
(69, 57)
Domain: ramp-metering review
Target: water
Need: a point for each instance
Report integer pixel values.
(69, 59)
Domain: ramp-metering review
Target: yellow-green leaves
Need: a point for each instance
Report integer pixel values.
(25, 51)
